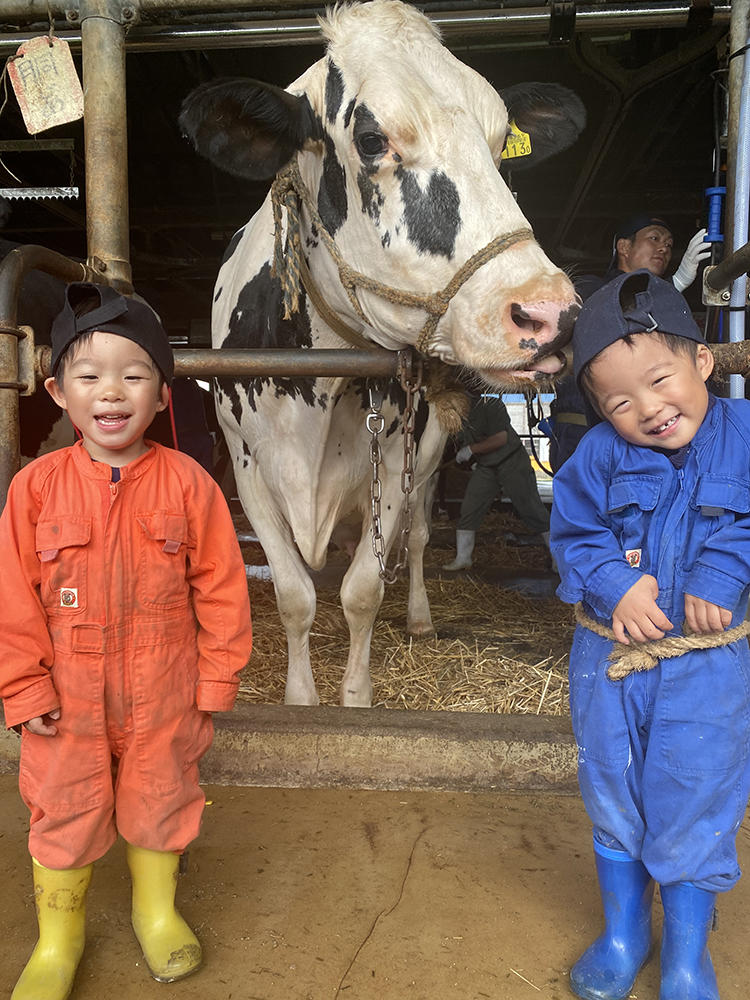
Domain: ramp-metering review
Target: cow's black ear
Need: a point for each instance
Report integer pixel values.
(246, 127)
(551, 114)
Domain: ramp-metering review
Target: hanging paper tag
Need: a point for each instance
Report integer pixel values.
(518, 143)
(46, 84)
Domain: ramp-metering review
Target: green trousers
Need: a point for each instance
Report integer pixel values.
(515, 479)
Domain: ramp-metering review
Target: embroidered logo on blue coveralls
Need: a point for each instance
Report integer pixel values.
(69, 597)
(633, 556)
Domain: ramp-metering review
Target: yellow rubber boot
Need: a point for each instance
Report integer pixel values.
(61, 913)
(170, 948)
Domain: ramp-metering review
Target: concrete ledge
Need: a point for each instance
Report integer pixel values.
(295, 747)
(326, 747)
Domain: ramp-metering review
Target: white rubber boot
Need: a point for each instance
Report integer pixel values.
(464, 549)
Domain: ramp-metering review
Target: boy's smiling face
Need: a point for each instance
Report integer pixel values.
(112, 391)
(651, 395)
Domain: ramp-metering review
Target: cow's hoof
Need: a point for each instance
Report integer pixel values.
(353, 699)
(420, 630)
(301, 698)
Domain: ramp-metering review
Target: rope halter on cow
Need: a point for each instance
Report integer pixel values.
(646, 655)
(291, 269)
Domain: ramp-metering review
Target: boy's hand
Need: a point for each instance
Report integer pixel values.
(703, 616)
(42, 725)
(638, 614)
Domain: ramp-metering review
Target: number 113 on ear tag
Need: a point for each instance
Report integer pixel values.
(46, 84)
(518, 143)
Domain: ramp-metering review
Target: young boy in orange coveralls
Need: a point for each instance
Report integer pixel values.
(126, 624)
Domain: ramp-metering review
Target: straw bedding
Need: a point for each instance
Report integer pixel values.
(496, 650)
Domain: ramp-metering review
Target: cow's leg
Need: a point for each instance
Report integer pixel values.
(295, 593)
(418, 617)
(361, 597)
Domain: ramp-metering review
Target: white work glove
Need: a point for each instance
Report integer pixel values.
(464, 454)
(696, 252)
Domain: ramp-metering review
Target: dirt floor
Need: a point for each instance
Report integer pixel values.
(326, 895)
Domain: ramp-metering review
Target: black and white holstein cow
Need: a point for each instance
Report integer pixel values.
(398, 146)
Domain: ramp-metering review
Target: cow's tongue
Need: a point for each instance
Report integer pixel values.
(549, 365)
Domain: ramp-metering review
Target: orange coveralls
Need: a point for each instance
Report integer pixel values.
(126, 605)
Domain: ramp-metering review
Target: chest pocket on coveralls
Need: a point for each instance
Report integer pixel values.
(716, 501)
(62, 548)
(716, 496)
(630, 502)
(162, 579)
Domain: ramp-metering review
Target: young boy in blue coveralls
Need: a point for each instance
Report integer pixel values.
(651, 531)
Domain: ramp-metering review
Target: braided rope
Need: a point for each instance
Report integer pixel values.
(645, 655)
(287, 189)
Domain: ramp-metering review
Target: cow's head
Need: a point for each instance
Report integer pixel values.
(400, 143)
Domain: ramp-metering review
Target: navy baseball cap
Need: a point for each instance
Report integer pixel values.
(629, 227)
(637, 302)
(116, 314)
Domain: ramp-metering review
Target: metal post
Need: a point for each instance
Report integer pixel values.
(105, 125)
(13, 269)
(738, 31)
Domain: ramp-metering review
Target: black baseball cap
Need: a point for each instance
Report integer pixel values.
(125, 317)
(637, 302)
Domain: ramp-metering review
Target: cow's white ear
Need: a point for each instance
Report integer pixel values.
(246, 127)
(552, 115)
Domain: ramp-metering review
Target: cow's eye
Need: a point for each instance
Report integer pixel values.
(371, 144)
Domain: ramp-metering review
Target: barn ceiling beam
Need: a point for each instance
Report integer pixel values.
(299, 28)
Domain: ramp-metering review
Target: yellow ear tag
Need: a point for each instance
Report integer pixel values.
(518, 143)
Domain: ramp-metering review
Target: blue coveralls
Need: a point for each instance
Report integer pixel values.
(663, 755)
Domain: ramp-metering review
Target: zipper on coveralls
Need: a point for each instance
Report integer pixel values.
(119, 721)
(671, 525)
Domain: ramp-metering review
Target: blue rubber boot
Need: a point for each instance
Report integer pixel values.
(607, 970)
(687, 972)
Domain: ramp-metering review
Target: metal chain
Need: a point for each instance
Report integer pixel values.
(411, 383)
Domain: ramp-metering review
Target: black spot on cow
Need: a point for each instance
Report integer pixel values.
(395, 395)
(332, 203)
(219, 290)
(228, 388)
(246, 449)
(528, 344)
(365, 120)
(257, 321)
(232, 245)
(432, 216)
(349, 111)
(372, 199)
(385, 240)
(334, 91)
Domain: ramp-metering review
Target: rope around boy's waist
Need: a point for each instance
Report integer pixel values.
(645, 655)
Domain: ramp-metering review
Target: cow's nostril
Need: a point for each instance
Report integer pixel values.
(522, 319)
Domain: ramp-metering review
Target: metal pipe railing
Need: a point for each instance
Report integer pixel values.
(291, 363)
(300, 29)
(733, 265)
